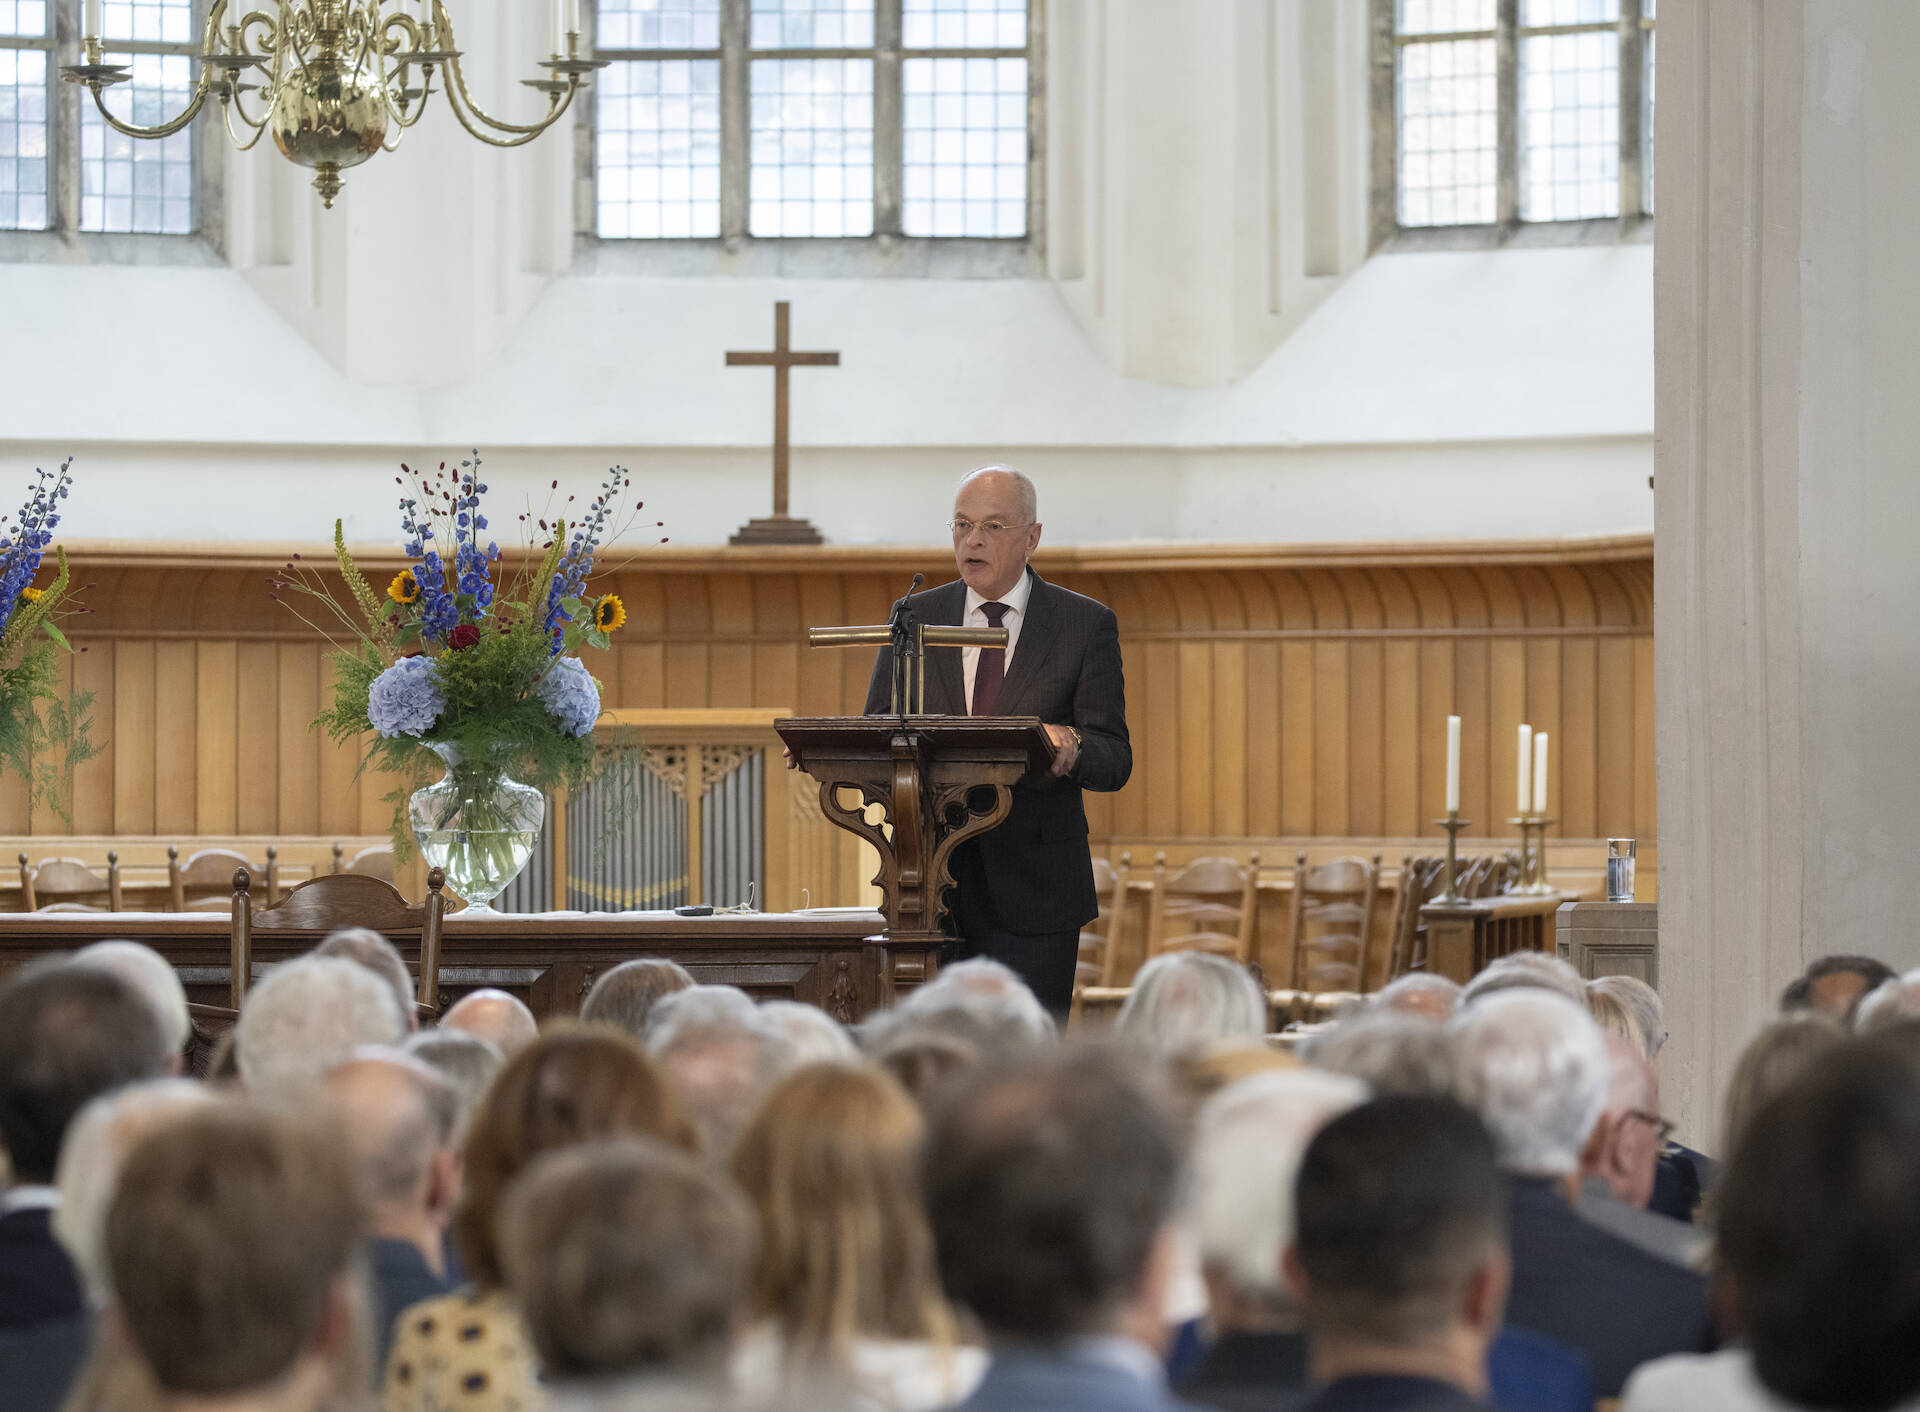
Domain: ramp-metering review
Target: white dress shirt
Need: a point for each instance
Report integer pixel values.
(975, 617)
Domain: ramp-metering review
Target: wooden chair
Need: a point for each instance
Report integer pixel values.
(374, 862)
(204, 883)
(1333, 923)
(1206, 906)
(70, 885)
(326, 904)
(1100, 943)
(1421, 880)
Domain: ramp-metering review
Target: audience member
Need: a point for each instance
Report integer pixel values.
(924, 1059)
(812, 1035)
(502, 1020)
(1630, 1008)
(67, 1035)
(1890, 1003)
(846, 1291)
(624, 996)
(629, 1263)
(1772, 1061)
(982, 1001)
(1400, 1257)
(397, 1116)
(1394, 1052)
(465, 1061)
(1050, 1188)
(1184, 1001)
(720, 1057)
(1833, 985)
(1420, 993)
(468, 1349)
(232, 1244)
(1642, 1004)
(1818, 1245)
(1610, 1013)
(1196, 1076)
(150, 973)
(1246, 1152)
(1619, 1160)
(366, 947)
(305, 1017)
(1541, 1070)
(1527, 970)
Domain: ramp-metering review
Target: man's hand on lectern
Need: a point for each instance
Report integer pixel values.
(786, 752)
(1066, 749)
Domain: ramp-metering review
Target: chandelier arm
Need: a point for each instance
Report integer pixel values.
(166, 129)
(458, 83)
(524, 134)
(233, 138)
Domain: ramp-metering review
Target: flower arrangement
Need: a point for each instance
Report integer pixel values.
(449, 666)
(44, 732)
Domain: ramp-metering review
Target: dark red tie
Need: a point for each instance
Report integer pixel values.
(991, 669)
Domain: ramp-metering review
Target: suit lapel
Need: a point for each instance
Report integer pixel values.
(947, 682)
(1036, 636)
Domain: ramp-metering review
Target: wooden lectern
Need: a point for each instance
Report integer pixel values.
(940, 781)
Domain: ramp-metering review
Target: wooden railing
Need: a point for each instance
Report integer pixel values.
(1464, 938)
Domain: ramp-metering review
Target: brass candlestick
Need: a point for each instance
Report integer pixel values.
(1533, 855)
(1453, 823)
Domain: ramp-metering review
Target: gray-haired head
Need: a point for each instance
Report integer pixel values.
(1186, 1001)
(305, 1017)
(1247, 1145)
(812, 1035)
(1023, 488)
(1641, 1002)
(1887, 1004)
(1395, 1052)
(1420, 993)
(397, 1115)
(984, 1001)
(1542, 1074)
(626, 995)
(150, 973)
(1524, 969)
(372, 950)
(722, 1057)
(465, 1061)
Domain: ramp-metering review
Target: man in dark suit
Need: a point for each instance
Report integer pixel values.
(1022, 891)
(1400, 1257)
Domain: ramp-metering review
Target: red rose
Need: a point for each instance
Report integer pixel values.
(463, 637)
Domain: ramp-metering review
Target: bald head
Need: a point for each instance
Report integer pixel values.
(996, 528)
(396, 1114)
(496, 1017)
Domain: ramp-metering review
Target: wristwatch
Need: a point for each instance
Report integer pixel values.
(1076, 737)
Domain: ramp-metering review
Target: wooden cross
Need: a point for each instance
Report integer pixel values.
(782, 528)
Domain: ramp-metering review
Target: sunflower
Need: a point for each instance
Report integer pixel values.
(609, 613)
(32, 595)
(405, 588)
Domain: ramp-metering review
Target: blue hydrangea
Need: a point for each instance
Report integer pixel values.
(569, 691)
(405, 699)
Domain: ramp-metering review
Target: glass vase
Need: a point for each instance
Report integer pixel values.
(476, 825)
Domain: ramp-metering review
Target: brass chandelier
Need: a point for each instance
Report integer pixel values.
(343, 79)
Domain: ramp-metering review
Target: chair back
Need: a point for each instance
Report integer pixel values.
(1206, 906)
(374, 862)
(69, 884)
(1421, 880)
(338, 900)
(1099, 958)
(205, 881)
(1333, 923)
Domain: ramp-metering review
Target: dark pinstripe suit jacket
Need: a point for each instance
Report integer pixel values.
(1066, 671)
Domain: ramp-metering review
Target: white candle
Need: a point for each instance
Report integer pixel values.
(1453, 764)
(573, 16)
(1524, 774)
(560, 28)
(93, 20)
(1540, 773)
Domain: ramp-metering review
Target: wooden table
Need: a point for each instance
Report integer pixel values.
(836, 958)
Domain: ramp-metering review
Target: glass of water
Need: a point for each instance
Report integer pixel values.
(1620, 860)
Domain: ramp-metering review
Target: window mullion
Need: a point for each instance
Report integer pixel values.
(1384, 104)
(888, 144)
(63, 114)
(1506, 48)
(735, 115)
(1633, 68)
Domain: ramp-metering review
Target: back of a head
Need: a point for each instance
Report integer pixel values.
(1420, 993)
(1610, 1013)
(1247, 1145)
(153, 976)
(1833, 985)
(831, 1163)
(1890, 1003)
(570, 1087)
(1782, 1051)
(228, 1239)
(67, 1034)
(1190, 1000)
(625, 1258)
(1524, 970)
(465, 1061)
(812, 1035)
(396, 1115)
(1540, 1070)
(1048, 1183)
(1819, 1232)
(986, 1002)
(366, 947)
(1399, 1204)
(1643, 1004)
(1394, 1052)
(502, 1020)
(924, 1058)
(307, 1016)
(624, 996)
(721, 1057)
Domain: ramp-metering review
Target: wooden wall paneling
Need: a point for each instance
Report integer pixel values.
(730, 675)
(1129, 809)
(339, 779)
(776, 662)
(257, 719)
(216, 738)
(175, 737)
(299, 773)
(1613, 733)
(637, 676)
(689, 656)
(1645, 814)
(133, 736)
(1575, 598)
(1365, 710)
(93, 781)
(820, 668)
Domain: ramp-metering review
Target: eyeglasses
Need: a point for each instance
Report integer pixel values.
(992, 529)
(1662, 1129)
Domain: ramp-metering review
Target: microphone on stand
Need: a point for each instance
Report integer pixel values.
(906, 647)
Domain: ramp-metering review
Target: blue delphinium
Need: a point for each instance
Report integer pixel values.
(405, 699)
(21, 548)
(570, 581)
(465, 594)
(569, 691)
